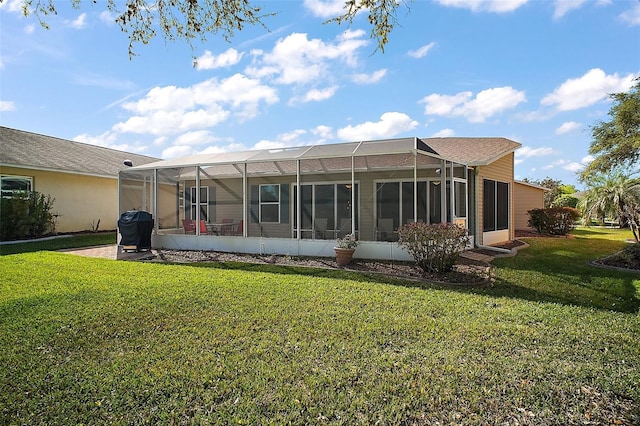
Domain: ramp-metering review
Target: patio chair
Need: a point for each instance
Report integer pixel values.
(203, 227)
(385, 229)
(227, 227)
(238, 228)
(189, 226)
(344, 227)
(321, 228)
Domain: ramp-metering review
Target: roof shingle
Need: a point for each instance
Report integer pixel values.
(19, 148)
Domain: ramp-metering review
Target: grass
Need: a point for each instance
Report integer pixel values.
(75, 241)
(98, 341)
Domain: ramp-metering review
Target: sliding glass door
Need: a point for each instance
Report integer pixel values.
(325, 210)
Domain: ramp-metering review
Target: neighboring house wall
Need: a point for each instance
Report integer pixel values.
(525, 198)
(79, 200)
(500, 170)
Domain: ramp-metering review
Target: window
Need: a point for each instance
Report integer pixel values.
(270, 203)
(204, 203)
(13, 184)
(495, 205)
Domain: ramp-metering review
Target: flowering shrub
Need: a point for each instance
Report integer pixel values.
(554, 220)
(348, 242)
(435, 248)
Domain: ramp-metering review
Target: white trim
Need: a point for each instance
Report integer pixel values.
(279, 246)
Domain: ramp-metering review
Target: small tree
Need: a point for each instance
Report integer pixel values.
(435, 248)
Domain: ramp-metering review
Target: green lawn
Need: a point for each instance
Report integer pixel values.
(554, 341)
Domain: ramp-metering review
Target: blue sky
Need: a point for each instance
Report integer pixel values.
(537, 72)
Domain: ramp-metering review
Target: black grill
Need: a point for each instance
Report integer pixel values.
(135, 228)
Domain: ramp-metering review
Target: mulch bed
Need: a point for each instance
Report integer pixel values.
(465, 272)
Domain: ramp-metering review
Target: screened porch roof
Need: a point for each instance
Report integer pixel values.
(335, 158)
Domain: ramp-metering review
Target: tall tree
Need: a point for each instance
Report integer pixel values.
(617, 142)
(195, 19)
(615, 193)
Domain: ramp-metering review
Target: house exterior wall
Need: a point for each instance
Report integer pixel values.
(525, 198)
(500, 170)
(79, 200)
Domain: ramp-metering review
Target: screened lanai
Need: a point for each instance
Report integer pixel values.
(298, 201)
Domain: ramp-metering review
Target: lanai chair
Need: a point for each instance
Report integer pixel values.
(385, 230)
(189, 226)
(321, 228)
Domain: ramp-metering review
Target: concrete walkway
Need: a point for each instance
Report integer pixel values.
(110, 251)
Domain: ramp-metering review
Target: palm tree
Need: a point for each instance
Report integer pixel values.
(616, 193)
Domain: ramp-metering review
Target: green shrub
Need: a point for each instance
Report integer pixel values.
(553, 220)
(565, 200)
(26, 214)
(435, 248)
(632, 252)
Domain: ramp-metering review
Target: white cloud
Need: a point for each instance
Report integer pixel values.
(389, 125)
(585, 91)
(487, 103)
(497, 6)
(587, 159)
(109, 139)
(528, 152)
(108, 17)
(422, 51)
(12, 5)
(7, 106)
(29, 29)
(632, 16)
(197, 137)
(567, 127)
(79, 23)
(572, 166)
(283, 140)
(562, 7)
(369, 78)
(325, 132)
(226, 59)
(325, 9)
(177, 151)
(297, 60)
(444, 133)
(171, 110)
(317, 95)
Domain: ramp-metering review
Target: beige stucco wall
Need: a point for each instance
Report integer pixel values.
(525, 198)
(79, 200)
(500, 170)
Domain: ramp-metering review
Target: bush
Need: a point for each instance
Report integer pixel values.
(435, 248)
(553, 220)
(26, 214)
(632, 252)
(566, 200)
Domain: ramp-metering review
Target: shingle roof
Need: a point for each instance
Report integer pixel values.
(472, 151)
(19, 148)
